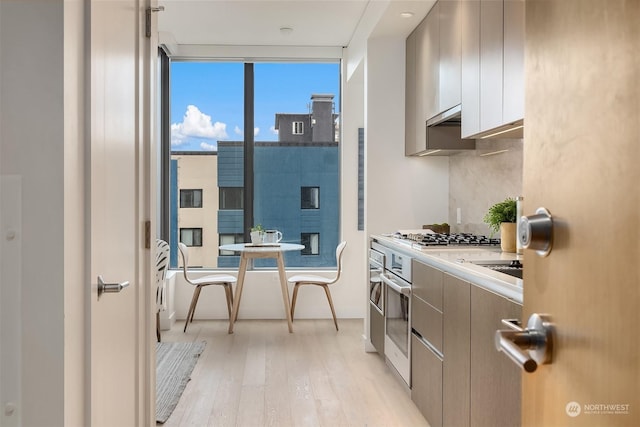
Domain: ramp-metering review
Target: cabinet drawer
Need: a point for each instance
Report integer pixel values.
(428, 283)
(426, 381)
(427, 321)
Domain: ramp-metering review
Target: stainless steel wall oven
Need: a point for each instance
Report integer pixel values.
(397, 310)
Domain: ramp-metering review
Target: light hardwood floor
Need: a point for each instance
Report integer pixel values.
(263, 376)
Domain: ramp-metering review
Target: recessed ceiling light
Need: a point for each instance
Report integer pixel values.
(406, 14)
(286, 30)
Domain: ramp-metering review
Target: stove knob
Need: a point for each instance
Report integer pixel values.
(536, 232)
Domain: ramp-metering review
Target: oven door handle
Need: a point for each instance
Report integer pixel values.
(404, 290)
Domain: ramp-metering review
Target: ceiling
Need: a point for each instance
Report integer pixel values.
(328, 23)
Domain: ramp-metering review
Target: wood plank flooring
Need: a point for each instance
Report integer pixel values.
(262, 375)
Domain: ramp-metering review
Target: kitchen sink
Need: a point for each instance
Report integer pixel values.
(512, 268)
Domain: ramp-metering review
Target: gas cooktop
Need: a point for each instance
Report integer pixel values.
(430, 239)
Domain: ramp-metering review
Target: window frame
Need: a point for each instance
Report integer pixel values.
(238, 238)
(294, 127)
(191, 191)
(308, 235)
(167, 229)
(192, 229)
(302, 198)
(222, 206)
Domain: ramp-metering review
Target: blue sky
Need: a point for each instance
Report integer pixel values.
(207, 99)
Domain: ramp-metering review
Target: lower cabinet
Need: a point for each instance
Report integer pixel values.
(376, 329)
(426, 381)
(495, 379)
(456, 349)
(467, 382)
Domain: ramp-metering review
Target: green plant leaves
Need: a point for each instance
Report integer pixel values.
(504, 211)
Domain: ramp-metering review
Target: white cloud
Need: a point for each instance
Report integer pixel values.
(208, 147)
(273, 130)
(240, 132)
(197, 124)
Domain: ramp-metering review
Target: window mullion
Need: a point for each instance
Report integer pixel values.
(248, 148)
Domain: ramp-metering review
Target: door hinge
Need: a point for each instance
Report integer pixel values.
(147, 24)
(147, 235)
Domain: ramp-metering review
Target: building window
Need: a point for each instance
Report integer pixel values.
(311, 242)
(310, 198)
(230, 239)
(190, 198)
(231, 198)
(191, 236)
(298, 128)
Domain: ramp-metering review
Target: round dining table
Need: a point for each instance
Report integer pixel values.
(252, 251)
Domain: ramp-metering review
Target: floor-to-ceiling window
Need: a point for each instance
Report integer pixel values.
(254, 143)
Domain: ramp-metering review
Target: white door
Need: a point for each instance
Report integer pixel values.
(581, 162)
(118, 339)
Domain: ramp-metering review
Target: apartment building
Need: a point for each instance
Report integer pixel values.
(296, 181)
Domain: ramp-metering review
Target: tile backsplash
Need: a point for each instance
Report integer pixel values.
(480, 178)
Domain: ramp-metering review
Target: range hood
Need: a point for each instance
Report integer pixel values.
(443, 134)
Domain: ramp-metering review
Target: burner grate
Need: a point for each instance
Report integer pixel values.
(457, 239)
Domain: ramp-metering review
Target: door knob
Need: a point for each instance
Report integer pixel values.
(536, 232)
(528, 347)
(110, 287)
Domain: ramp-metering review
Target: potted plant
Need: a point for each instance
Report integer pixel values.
(257, 234)
(501, 217)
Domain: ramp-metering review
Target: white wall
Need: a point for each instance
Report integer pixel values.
(402, 192)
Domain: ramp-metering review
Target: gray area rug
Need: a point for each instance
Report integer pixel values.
(174, 363)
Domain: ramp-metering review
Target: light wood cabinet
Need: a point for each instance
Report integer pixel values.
(495, 380)
(492, 66)
(426, 381)
(411, 128)
(427, 283)
(470, 95)
(458, 378)
(450, 42)
(433, 80)
(491, 40)
(426, 340)
(421, 82)
(428, 64)
(513, 54)
(456, 348)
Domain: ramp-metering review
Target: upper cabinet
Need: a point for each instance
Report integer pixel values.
(466, 55)
(450, 42)
(492, 68)
(421, 91)
(433, 80)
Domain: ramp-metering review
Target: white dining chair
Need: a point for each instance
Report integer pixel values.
(162, 264)
(324, 282)
(224, 280)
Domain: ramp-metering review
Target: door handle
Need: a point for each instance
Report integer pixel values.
(110, 287)
(404, 290)
(528, 347)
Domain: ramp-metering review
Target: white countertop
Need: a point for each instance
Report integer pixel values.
(454, 260)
